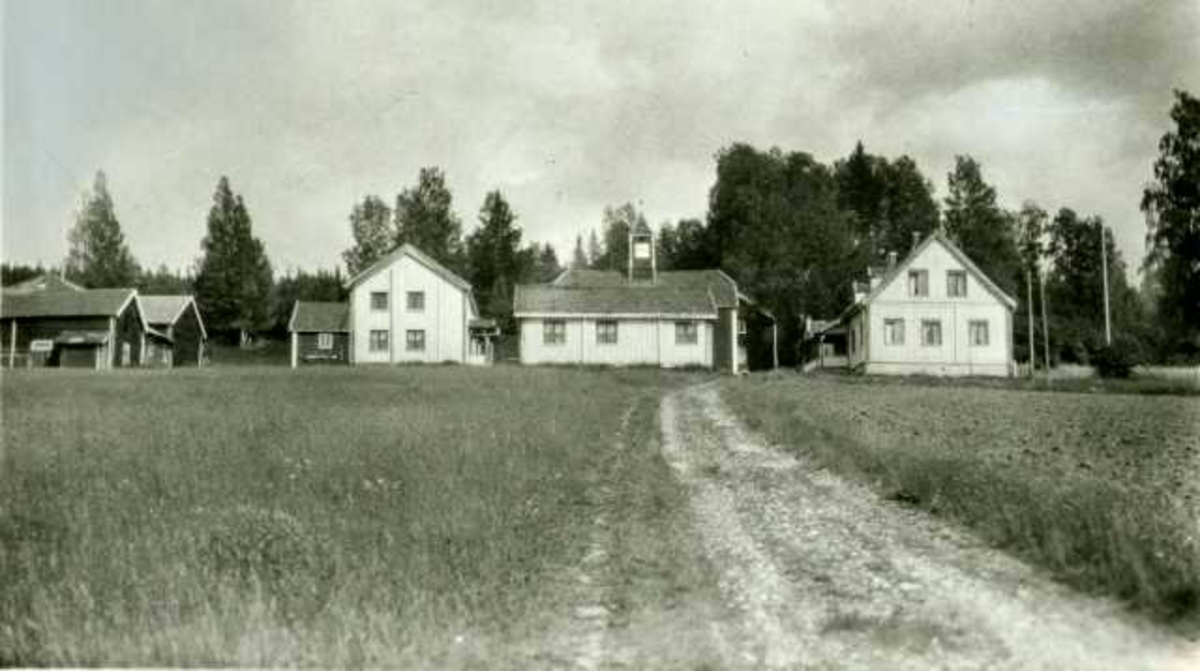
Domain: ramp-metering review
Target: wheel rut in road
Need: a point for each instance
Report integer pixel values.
(822, 573)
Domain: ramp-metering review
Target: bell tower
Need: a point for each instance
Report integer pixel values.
(643, 266)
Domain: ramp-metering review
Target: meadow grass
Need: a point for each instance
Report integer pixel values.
(1100, 490)
(263, 516)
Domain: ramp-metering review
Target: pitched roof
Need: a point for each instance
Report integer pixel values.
(901, 267)
(43, 282)
(309, 317)
(82, 303)
(167, 310)
(721, 286)
(418, 256)
(633, 300)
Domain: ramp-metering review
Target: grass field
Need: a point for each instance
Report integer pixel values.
(333, 517)
(1103, 489)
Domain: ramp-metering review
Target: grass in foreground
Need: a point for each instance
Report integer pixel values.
(1102, 490)
(268, 517)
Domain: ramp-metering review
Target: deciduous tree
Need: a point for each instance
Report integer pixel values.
(374, 234)
(424, 218)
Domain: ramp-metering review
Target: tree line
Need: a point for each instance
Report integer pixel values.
(796, 233)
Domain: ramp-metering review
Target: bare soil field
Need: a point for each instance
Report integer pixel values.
(1102, 488)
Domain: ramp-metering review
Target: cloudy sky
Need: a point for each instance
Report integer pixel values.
(565, 107)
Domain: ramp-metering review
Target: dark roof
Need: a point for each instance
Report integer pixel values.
(320, 317)
(721, 286)
(417, 255)
(646, 300)
(43, 282)
(82, 303)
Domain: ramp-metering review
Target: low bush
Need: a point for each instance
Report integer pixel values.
(1118, 359)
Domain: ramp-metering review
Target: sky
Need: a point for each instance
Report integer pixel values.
(564, 107)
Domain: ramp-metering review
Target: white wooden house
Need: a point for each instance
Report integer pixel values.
(408, 308)
(933, 313)
(640, 317)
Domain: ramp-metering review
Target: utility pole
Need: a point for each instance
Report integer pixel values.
(1104, 271)
(1029, 302)
(1045, 323)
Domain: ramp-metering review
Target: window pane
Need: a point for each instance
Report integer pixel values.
(379, 341)
(414, 341)
(685, 333)
(606, 332)
(893, 332)
(379, 300)
(554, 332)
(956, 283)
(416, 301)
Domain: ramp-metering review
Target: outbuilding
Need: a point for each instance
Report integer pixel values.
(77, 328)
(181, 337)
(320, 333)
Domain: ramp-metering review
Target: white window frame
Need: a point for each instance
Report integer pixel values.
(375, 306)
(975, 327)
(419, 305)
(919, 288)
(891, 329)
(325, 341)
(414, 344)
(683, 328)
(949, 284)
(605, 335)
(379, 340)
(554, 332)
(926, 341)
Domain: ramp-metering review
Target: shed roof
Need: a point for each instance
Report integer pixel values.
(81, 303)
(310, 317)
(721, 286)
(166, 310)
(82, 338)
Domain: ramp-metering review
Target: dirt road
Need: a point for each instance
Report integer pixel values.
(820, 573)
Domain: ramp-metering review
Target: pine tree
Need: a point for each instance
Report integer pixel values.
(233, 277)
(371, 226)
(493, 261)
(983, 231)
(98, 255)
(595, 252)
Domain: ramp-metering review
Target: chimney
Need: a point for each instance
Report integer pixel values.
(891, 260)
(916, 239)
(643, 264)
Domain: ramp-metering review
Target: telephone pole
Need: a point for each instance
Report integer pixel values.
(1045, 324)
(1104, 272)
(1029, 302)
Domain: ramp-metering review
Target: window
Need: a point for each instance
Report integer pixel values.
(324, 341)
(606, 333)
(379, 300)
(379, 341)
(893, 331)
(956, 283)
(686, 333)
(918, 283)
(416, 301)
(414, 340)
(931, 332)
(554, 332)
(977, 333)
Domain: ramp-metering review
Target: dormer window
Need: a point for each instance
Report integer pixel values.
(918, 283)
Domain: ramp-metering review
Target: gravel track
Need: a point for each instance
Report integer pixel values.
(823, 574)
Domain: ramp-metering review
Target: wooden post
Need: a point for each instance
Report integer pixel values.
(1045, 324)
(1032, 342)
(1104, 271)
(12, 345)
(775, 345)
(295, 347)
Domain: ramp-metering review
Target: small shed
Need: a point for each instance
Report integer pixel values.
(90, 328)
(181, 338)
(320, 333)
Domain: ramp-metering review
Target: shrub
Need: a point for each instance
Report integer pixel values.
(1117, 359)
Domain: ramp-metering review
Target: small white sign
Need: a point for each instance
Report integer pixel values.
(41, 345)
(641, 250)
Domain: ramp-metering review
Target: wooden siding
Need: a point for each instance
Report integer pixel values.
(444, 318)
(309, 352)
(188, 339)
(45, 328)
(128, 330)
(723, 339)
(639, 342)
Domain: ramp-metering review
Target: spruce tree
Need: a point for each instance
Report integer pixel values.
(233, 276)
(98, 255)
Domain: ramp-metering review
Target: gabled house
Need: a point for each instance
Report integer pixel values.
(176, 318)
(934, 313)
(405, 308)
(77, 328)
(640, 317)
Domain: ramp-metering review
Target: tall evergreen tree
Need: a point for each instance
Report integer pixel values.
(1172, 207)
(979, 227)
(374, 236)
(98, 255)
(233, 276)
(907, 207)
(595, 252)
(666, 245)
(424, 218)
(493, 257)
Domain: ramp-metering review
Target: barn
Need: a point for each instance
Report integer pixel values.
(320, 333)
(73, 328)
(176, 320)
(643, 317)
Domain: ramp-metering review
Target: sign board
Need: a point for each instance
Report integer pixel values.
(41, 346)
(641, 250)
